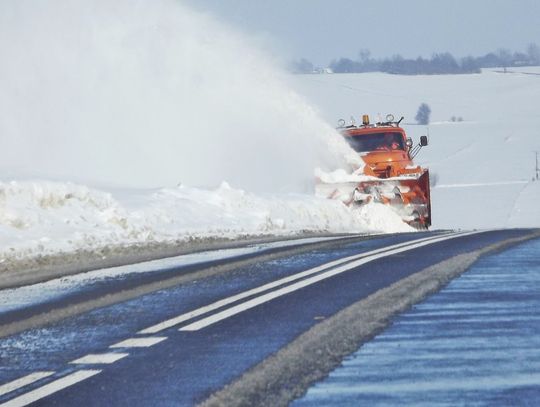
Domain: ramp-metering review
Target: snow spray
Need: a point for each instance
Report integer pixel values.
(148, 94)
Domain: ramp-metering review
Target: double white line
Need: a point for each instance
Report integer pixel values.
(326, 270)
(282, 286)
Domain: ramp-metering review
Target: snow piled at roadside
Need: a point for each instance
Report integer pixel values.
(40, 218)
(341, 176)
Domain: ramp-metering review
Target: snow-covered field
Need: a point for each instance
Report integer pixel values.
(483, 166)
(111, 140)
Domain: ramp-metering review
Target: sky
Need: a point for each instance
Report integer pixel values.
(323, 30)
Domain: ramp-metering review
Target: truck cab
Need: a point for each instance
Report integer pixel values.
(391, 176)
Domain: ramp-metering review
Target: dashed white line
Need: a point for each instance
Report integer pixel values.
(53, 387)
(50, 388)
(23, 381)
(139, 342)
(229, 300)
(102, 358)
(212, 319)
(144, 342)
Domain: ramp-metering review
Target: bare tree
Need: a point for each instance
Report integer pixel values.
(364, 55)
(505, 57)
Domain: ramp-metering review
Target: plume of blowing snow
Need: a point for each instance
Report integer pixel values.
(149, 93)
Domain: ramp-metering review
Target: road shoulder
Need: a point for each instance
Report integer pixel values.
(288, 374)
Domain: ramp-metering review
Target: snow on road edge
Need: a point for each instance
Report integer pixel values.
(39, 218)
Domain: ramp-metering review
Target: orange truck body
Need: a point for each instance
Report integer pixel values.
(391, 177)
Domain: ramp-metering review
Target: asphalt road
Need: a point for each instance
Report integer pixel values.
(475, 342)
(176, 335)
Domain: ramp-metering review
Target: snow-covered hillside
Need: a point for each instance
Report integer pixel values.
(482, 166)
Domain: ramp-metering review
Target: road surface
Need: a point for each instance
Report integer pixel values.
(178, 331)
(476, 342)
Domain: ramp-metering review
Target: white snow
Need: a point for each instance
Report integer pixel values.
(341, 175)
(38, 218)
(97, 136)
(482, 167)
(104, 115)
(147, 95)
(381, 217)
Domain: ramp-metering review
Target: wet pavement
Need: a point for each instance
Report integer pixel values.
(476, 342)
(113, 356)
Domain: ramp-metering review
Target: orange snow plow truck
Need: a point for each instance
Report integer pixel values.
(389, 175)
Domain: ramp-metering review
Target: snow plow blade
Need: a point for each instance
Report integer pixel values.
(389, 175)
(408, 196)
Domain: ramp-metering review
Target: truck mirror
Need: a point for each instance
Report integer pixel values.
(409, 142)
(423, 141)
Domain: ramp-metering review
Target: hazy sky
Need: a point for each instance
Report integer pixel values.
(321, 30)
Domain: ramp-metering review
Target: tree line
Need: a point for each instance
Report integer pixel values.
(439, 63)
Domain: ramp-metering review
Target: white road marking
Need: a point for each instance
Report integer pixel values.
(309, 281)
(108, 358)
(50, 388)
(23, 381)
(103, 358)
(229, 300)
(139, 342)
(485, 184)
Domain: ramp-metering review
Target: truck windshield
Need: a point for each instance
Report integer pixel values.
(376, 142)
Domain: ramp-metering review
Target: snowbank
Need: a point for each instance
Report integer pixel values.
(40, 218)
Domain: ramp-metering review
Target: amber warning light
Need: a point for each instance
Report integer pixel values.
(365, 120)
